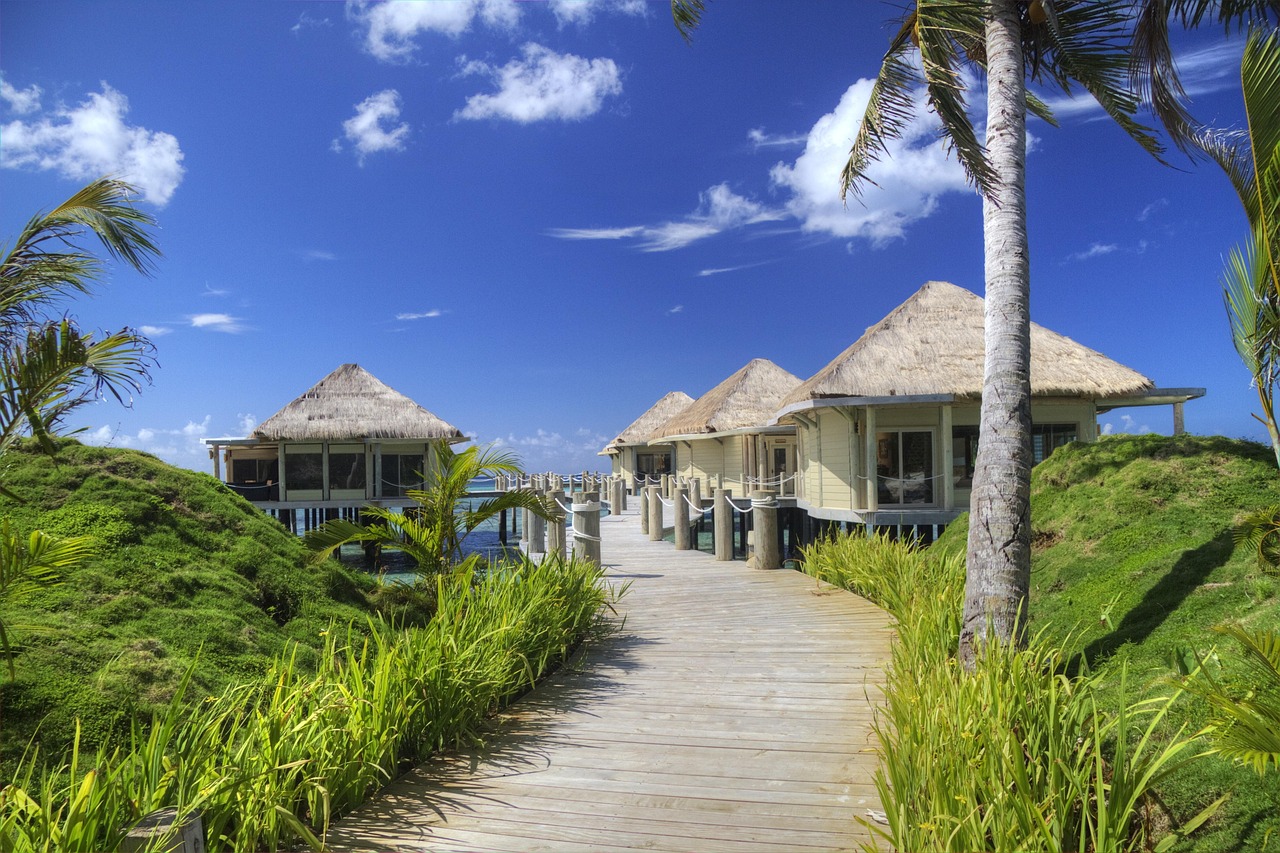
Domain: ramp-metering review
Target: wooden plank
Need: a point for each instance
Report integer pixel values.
(727, 710)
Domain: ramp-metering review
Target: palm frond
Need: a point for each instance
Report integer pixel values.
(1246, 727)
(889, 109)
(1260, 80)
(1090, 48)
(687, 15)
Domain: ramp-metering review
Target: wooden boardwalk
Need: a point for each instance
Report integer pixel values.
(729, 709)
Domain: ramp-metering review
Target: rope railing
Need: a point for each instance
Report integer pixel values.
(696, 508)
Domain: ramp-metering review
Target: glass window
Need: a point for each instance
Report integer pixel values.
(346, 471)
(964, 450)
(401, 472)
(254, 472)
(904, 465)
(304, 471)
(1046, 438)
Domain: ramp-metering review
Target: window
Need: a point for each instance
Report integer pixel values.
(653, 464)
(1046, 438)
(304, 470)
(964, 450)
(346, 470)
(904, 465)
(401, 472)
(254, 472)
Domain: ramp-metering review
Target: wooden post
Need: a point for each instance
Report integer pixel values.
(502, 527)
(616, 500)
(655, 513)
(187, 836)
(644, 510)
(586, 525)
(682, 518)
(764, 511)
(537, 533)
(695, 492)
(555, 527)
(1179, 425)
(723, 515)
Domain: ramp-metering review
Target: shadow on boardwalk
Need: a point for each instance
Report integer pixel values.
(725, 709)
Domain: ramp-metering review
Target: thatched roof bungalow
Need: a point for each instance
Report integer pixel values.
(348, 440)
(725, 434)
(631, 454)
(888, 431)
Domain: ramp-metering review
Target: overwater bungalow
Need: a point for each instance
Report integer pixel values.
(887, 432)
(725, 435)
(347, 441)
(631, 455)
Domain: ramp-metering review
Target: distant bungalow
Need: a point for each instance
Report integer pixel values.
(349, 440)
(888, 431)
(630, 453)
(724, 436)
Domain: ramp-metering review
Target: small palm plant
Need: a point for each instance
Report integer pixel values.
(30, 565)
(1246, 723)
(432, 533)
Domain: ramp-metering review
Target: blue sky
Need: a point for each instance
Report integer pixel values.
(536, 218)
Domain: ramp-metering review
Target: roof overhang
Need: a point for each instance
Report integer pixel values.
(771, 429)
(859, 402)
(1154, 397)
(251, 441)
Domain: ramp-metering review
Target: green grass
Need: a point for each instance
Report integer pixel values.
(185, 568)
(1132, 568)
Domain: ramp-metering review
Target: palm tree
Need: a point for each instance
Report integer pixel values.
(49, 367)
(1115, 52)
(432, 532)
(1251, 280)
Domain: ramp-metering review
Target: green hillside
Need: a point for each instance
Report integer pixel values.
(1133, 566)
(185, 568)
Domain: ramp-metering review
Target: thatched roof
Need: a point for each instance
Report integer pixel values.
(351, 404)
(644, 425)
(933, 344)
(748, 398)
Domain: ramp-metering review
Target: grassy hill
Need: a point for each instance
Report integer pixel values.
(185, 569)
(1132, 568)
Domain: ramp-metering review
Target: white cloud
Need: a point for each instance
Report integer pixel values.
(155, 331)
(582, 11)
(373, 128)
(306, 22)
(217, 323)
(679, 309)
(719, 270)
(542, 85)
(1128, 425)
(1151, 209)
(92, 140)
(909, 179)
(1096, 250)
(318, 255)
(760, 139)
(719, 209)
(247, 423)
(182, 446)
(390, 28)
(434, 312)
(21, 101)
(546, 450)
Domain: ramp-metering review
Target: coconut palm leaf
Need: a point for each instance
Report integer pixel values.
(1260, 80)
(30, 564)
(432, 532)
(1246, 724)
(48, 262)
(56, 370)
(687, 14)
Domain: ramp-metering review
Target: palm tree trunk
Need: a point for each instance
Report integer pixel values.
(999, 549)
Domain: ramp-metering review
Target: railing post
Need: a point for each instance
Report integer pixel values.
(555, 526)
(586, 525)
(695, 492)
(681, 495)
(187, 836)
(617, 497)
(655, 513)
(764, 509)
(644, 509)
(723, 517)
(537, 533)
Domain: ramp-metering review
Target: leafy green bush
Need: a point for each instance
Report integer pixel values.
(271, 761)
